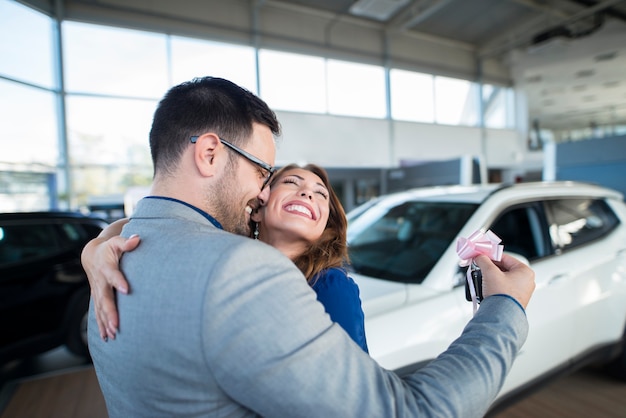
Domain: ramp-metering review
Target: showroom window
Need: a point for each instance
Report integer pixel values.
(292, 81)
(356, 89)
(29, 126)
(412, 96)
(112, 61)
(91, 138)
(28, 132)
(198, 58)
(110, 102)
(498, 107)
(456, 101)
(31, 59)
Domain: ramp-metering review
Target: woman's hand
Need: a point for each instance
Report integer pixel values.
(100, 259)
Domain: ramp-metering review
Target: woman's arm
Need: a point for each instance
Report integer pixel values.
(100, 259)
(340, 296)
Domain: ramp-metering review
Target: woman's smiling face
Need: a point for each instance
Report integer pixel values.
(297, 209)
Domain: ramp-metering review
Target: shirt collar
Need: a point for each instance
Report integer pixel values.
(200, 211)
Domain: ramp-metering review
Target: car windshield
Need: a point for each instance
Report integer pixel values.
(403, 242)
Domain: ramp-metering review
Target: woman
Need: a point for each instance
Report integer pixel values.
(303, 218)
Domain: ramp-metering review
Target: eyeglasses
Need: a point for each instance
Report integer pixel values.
(254, 160)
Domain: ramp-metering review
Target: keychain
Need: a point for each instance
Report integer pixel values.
(486, 243)
(474, 287)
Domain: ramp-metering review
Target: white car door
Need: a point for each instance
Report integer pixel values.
(554, 304)
(589, 239)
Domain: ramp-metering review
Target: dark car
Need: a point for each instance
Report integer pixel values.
(44, 293)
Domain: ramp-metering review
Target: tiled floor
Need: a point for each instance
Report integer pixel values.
(69, 389)
(585, 394)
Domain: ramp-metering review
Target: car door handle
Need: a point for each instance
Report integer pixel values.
(558, 278)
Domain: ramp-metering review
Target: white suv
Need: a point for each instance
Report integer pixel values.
(403, 254)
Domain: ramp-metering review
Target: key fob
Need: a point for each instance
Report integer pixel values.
(477, 280)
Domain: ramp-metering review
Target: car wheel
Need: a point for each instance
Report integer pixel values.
(76, 338)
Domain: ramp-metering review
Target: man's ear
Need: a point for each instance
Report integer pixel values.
(205, 151)
(255, 215)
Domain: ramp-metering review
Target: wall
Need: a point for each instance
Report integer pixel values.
(336, 141)
(601, 161)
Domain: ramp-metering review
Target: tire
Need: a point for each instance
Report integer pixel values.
(617, 367)
(76, 334)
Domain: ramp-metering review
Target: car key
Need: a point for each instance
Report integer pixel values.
(477, 280)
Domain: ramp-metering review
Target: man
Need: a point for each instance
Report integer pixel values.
(220, 325)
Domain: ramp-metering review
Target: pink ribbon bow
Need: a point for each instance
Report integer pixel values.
(478, 243)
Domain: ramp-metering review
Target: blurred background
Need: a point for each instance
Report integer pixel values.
(387, 94)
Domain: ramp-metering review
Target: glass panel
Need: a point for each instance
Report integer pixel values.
(197, 58)
(456, 101)
(127, 62)
(108, 145)
(412, 96)
(292, 81)
(28, 132)
(356, 89)
(498, 105)
(109, 131)
(403, 243)
(22, 243)
(25, 191)
(95, 184)
(30, 58)
(521, 232)
(574, 222)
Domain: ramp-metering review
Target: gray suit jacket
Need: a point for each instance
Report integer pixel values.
(225, 326)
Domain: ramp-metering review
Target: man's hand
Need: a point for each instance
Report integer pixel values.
(509, 276)
(100, 259)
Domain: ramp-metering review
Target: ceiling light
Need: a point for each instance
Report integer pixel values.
(377, 9)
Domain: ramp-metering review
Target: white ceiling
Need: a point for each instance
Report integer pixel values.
(568, 56)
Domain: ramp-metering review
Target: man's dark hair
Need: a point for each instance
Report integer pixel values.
(202, 105)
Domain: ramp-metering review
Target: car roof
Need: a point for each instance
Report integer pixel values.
(478, 193)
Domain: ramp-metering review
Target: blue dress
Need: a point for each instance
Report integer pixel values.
(340, 296)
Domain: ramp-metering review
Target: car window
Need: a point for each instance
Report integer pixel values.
(522, 231)
(404, 242)
(90, 230)
(574, 222)
(24, 242)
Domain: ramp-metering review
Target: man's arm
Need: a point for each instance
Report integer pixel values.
(303, 365)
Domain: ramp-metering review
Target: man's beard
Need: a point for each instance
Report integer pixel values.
(228, 210)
